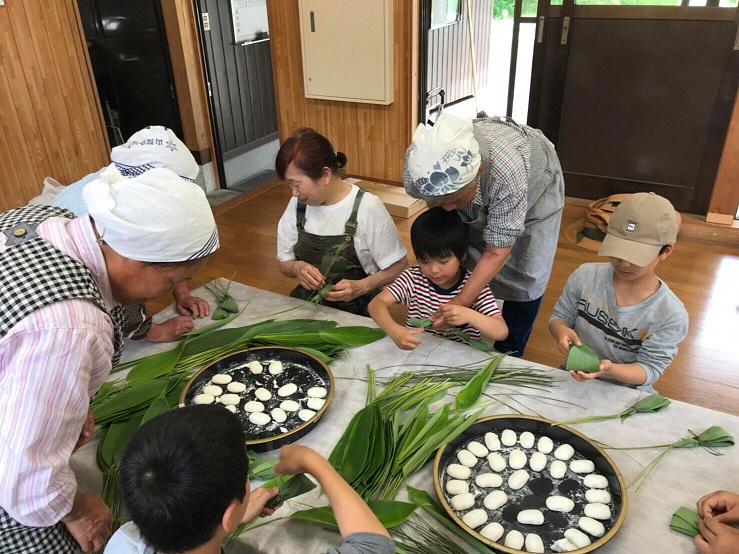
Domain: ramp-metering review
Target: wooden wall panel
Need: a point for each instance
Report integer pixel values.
(373, 137)
(725, 197)
(449, 62)
(50, 120)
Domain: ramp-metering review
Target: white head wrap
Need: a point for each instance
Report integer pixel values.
(154, 146)
(443, 158)
(155, 217)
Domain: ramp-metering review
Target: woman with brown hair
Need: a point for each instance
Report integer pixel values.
(333, 232)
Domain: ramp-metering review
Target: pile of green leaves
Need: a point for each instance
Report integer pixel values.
(397, 432)
(155, 383)
(711, 439)
(685, 521)
(225, 303)
(647, 405)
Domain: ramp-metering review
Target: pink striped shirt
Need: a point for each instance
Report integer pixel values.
(51, 363)
(424, 298)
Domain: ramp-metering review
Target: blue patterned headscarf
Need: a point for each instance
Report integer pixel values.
(441, 159)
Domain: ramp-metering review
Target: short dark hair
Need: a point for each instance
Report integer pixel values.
(438, 233)
(179, 473)
(310, 151)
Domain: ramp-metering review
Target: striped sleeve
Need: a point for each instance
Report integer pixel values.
(485, 303)
(52, 362)
(402, 288)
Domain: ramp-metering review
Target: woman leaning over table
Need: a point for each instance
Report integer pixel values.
(63, 282)
(333, 232)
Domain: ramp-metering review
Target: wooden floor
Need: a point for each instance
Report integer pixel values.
(704, 275)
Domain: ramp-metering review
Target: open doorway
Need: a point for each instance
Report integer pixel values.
(237, 58)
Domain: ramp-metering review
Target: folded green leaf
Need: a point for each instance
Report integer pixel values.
(229, 305)
(290, 486)
(219, 313)
(685, 521)
(582, 358)
(650, 404)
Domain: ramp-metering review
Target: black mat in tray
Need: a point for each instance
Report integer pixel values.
(540, 485)
(299, 367)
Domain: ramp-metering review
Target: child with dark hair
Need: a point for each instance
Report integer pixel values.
(184, 477)
(440, 240)
(333, 232)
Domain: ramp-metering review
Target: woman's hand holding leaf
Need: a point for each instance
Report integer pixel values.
(308, 275)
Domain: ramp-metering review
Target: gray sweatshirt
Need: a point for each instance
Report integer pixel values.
(646, 333)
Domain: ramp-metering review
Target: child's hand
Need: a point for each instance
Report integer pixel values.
(565, 336)
(582, 376)
(295, 458)
(406, 338)
(723, 506)
(308, 276)
(456, 314)
(257, 499)
(716, 537)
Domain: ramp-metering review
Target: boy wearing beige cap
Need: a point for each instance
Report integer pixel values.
(621, 309)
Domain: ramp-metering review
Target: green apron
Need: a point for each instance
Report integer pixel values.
(335, 257)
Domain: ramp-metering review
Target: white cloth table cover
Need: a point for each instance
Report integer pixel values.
(681, 478)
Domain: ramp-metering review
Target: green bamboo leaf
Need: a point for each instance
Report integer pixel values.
(390, 513)
(156, 366)
(685, 521)
(424, 323)
(129, 400)
(260, 467)
(127, 430)
(450, 432)
(158, 406)
(352, 336)
(470, 394)
(210, 327)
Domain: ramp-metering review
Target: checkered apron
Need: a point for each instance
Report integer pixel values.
(34, 274)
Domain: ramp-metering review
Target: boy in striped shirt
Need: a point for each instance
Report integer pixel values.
(440, 240)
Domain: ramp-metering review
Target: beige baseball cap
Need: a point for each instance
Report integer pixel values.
(638, 229)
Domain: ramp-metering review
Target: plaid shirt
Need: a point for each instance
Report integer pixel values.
(507, 161)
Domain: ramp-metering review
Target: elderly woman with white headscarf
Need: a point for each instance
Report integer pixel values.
(62, 283)
(151, 147)
(506, 183)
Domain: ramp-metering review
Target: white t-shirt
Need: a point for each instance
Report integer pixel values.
(376, 240)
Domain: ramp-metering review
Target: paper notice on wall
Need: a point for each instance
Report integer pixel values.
(250, 20)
